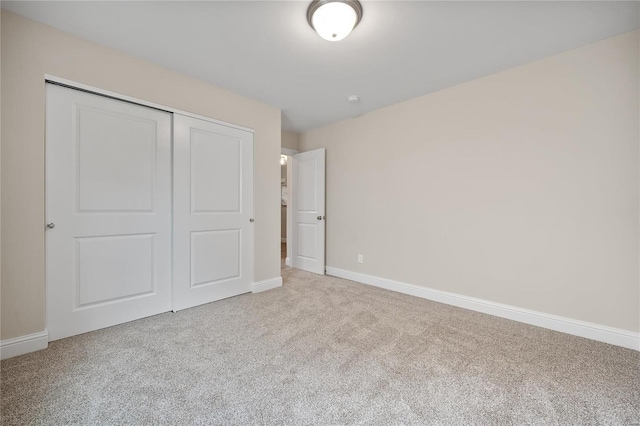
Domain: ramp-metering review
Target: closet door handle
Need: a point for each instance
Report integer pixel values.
(251, 220)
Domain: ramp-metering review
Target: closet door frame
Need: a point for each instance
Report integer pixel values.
(121, 97)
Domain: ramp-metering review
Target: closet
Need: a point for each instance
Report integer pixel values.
(147, 211)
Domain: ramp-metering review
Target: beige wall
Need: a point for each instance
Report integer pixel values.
(29, 50)
(289, 140)
(520, 188)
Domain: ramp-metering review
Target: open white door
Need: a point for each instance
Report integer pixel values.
(308, 215)
(108, 201)
(212, 212)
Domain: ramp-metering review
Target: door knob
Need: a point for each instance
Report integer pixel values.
(251, 220)
(320, 217)
(51, 225)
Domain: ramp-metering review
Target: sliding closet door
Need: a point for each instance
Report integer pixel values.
(213, 208)
(108, 208)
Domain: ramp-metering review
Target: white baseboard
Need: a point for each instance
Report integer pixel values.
(601, 333)
(24, 344)
(267, 284)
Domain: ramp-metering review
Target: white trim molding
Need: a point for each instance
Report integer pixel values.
(265, 285)
(601, 333)
(24, 344)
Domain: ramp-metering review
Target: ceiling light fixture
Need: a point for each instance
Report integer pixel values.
(333, 20)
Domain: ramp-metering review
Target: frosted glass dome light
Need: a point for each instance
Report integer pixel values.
(333, 20)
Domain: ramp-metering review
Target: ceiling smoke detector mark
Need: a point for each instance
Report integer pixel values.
(353, 99)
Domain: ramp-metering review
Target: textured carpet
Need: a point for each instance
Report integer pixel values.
(323, 350)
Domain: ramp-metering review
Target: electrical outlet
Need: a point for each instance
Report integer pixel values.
(360, 258)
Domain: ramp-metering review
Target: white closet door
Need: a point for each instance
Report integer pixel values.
(213, 207)
(308, 216)
(108, 201)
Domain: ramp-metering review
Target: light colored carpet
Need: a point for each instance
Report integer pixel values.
(323, 350)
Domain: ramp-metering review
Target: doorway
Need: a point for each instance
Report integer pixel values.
(303, 210)
(286, 159)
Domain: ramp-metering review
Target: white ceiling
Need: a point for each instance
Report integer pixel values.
(265, 50)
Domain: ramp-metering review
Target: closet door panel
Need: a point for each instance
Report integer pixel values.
(213, 205)
(108, 205)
